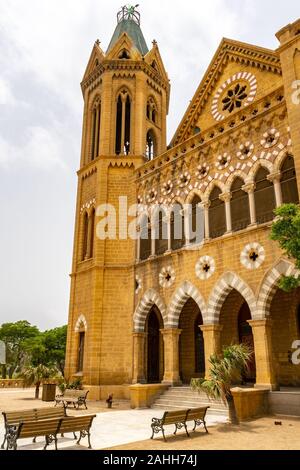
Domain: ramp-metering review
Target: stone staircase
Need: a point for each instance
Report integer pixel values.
(184, 397)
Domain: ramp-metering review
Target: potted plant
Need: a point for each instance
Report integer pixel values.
(35, 375)
(224, 373)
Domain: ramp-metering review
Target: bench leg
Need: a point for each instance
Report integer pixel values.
(89, 440)
(3, 443)
(185, 427)
(204, 424)
(152, 433)
(163, 432)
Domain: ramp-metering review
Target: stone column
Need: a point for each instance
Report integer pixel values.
(206, 205)
(250, 188)
(123, 124)
(153, 236)
(171, 356)
(212, 343)
(262, 335)
(275, 178)
(226, 197)
(169, 215)
(139, 340)
(138, 244)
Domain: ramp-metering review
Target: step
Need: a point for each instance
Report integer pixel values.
(189, 403)
(211, 411)
(190, 396)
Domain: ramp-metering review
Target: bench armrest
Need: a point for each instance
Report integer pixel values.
(157, 421)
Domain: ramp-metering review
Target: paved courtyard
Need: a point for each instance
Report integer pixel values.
(117, 427)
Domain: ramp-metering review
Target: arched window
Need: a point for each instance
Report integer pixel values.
(151, 144)
(217, 215)
(92, 233)
(80, 356)
(124, 55)
(145, 238)
(161, 229)
(240, 212)
(96, 122)
(123, 124)
(195, 220)
(177, 227)
(264, 197)
(289, 187)
(85, 229)
(151, 110)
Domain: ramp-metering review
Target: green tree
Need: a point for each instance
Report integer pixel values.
(14, 335)
(48, 348)
(224, 373)
(286, 230)
(35, 375)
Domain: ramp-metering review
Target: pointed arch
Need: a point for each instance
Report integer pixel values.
(224, 286)
(255, 168)
(81, 323)
(150, 298)
(236, 174)
(211, 186)
(195, 192)
(185, 292)
(269, 286)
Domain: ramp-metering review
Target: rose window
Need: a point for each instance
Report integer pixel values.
(205, 268)
(167, 188)
(245, 151)
(234, 98)
(252, 256)
(151, 195)
(202, 171)
(270, 138)
(184, 179)
(167, 277)
(223, 161)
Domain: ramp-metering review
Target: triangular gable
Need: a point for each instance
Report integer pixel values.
(124, 43)
(247, 56)
(154, 56)
(96, 57)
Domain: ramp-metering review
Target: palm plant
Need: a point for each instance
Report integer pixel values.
(225, 372)
(36, 375)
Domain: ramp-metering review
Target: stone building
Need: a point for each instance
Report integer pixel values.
(154, 310)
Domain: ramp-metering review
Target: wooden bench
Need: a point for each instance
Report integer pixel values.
(74, 397)
(179, 418)
(49, 428)
(35, 414)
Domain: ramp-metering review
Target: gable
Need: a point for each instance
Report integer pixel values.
(238, 75)
(96, 57)
(124, 43)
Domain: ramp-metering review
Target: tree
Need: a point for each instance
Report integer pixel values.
(14, 335)
(286, 230)
(225, 372)
(48, 348)
(36, 375)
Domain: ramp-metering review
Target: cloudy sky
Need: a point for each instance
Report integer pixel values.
(44, 48)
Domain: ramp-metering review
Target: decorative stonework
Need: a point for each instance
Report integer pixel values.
(252, 256)
(202, 171)
(270, 138)
(151, 196)
(205, 267)
(223, 161)
(81, 324)
(88, 205)
(138, 284)
(167, 188)
(245, 151)
(167, 277)
(237, 92)
(140, 199)
(184, 179)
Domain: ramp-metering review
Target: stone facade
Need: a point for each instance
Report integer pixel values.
(237, 153)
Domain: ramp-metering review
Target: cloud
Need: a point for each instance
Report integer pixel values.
(6, 95)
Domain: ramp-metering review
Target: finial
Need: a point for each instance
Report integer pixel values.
(154, 42)
(129, 12)
(98, 42)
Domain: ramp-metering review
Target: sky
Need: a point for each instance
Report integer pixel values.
(44, 49)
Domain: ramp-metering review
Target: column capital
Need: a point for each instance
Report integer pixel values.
(212, 327)
(226, 197)
(205, 204)
(249, 187)
(139, 334)
(274, 177)
(266, 322)
(171, 332)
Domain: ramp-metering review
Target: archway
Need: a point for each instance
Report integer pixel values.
(154, 346)
(191, 343)
(285, 316)
(234, 316)
(246, 337)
